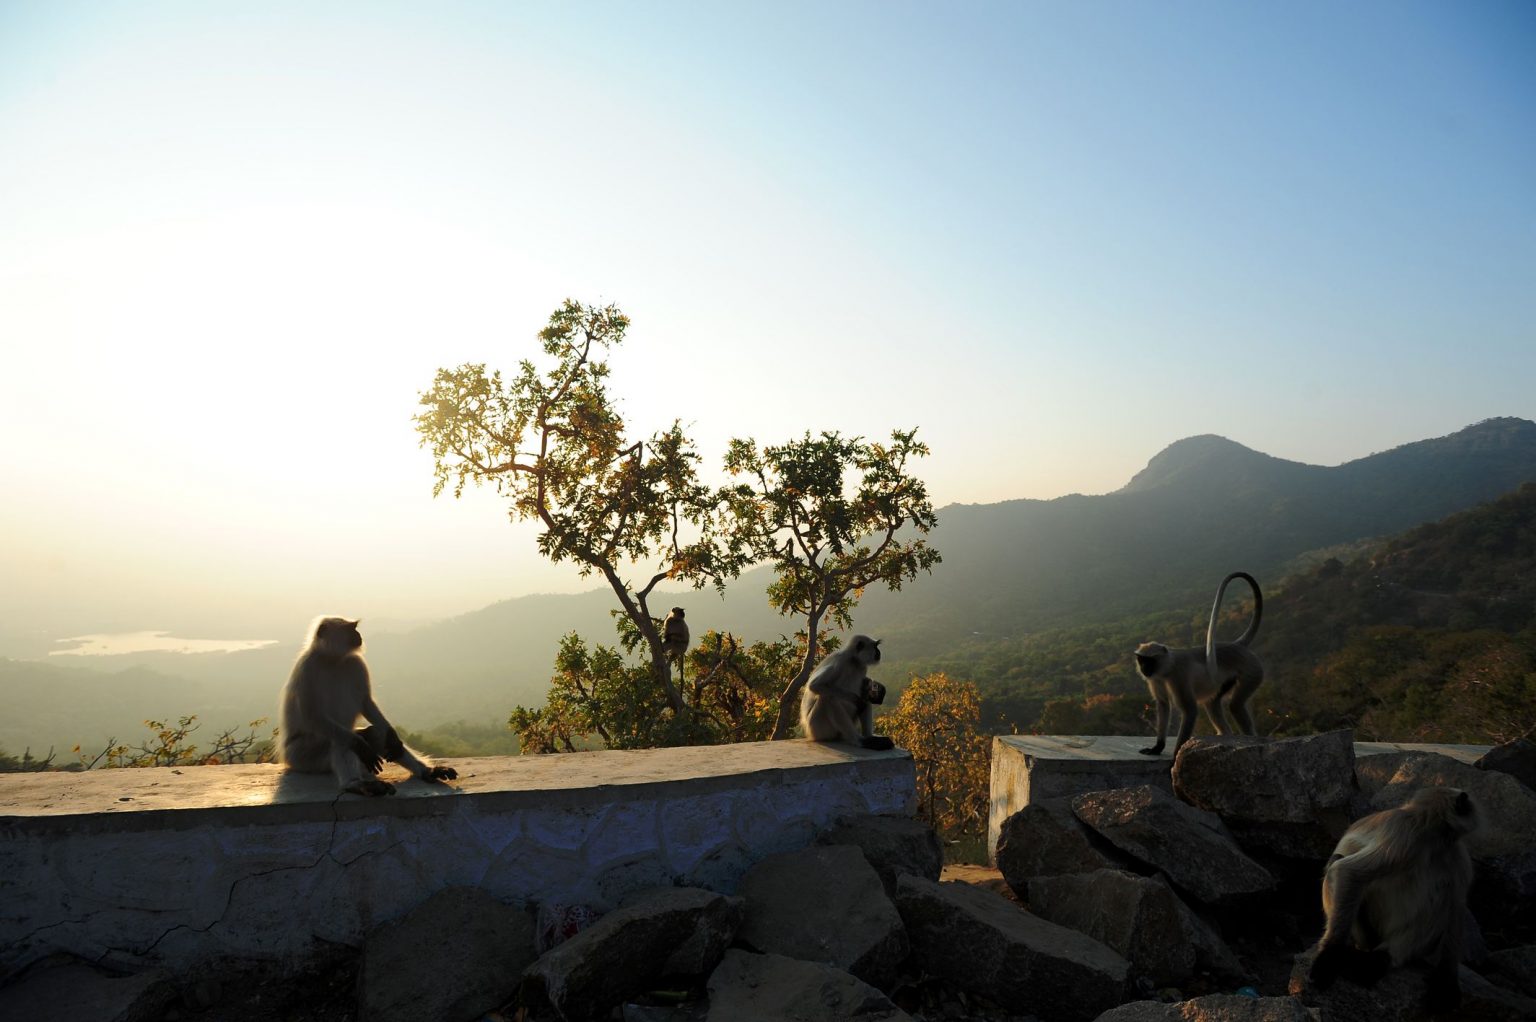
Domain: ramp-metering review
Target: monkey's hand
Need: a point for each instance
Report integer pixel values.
(1340, 959)
(372, 761)
(439, 773)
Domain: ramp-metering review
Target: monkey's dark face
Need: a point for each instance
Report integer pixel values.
(677, 612)
(338, 636)
(866, 650)
(1150, 657)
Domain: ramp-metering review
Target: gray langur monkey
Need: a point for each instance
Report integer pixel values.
(674, 637)
(326, 694)
(838, 703)
(1191, 677)
(1395, 892)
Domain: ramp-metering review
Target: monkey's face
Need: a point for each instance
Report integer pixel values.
(866, 650)
(1452, 805)
(338, 636)
(677, 612)
(1150, 657)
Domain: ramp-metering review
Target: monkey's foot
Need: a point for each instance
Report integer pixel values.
(1366, 967)
(1325, 967)
(440, 773)
(370, 786)
(1154, 750)
(879, 743)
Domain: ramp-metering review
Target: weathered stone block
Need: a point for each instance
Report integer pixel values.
(748, 987)
(1190, 845)
(455, 956)
(986, 944)
(892, 844)
(824, 904)
(1047, 839)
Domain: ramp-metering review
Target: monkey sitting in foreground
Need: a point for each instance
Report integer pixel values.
(1203, 676)
(1396, 886)
(674, 637)
(838, 704)
(325, 695)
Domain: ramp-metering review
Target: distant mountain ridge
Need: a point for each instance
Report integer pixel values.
(1202, 507)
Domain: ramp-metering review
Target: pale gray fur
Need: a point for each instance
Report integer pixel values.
(833, 707)
(326, 693)
(1186, 675)
(1396, 887)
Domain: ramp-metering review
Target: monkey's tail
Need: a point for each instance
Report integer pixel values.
(1248, 633)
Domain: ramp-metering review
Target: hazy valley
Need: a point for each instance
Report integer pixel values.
(1034, 600)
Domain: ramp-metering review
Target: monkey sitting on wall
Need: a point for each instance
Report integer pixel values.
(1192, 677)
(838, 703)
(326, 694)
(1395, 892)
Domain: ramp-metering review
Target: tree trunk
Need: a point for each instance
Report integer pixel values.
(789, 699)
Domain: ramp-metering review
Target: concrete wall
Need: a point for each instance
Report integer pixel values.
(168, 866)
(1031, 768)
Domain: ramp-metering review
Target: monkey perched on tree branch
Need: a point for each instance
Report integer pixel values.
(1396, 892)
(326, 694)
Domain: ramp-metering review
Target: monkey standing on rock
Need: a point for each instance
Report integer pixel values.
(325, 695)
(1192, 677)
(838, 702)
(1396, 888)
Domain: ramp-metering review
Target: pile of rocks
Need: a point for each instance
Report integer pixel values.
(1128, 904)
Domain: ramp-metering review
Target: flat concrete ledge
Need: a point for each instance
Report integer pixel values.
(1032, 768)
(168, 866)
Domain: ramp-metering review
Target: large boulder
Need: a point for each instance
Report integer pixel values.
(75, 990)
(1504, 849)
(1190, 845)
(824, 904)
(1514, 967)
(1516, 758)
(1291, 797)
(1400, 996)
(455, 956)
(1047, 839)
(893, 845)
(627, 950)
(772, 988)
(1139, 917)
(1213, 1008)
(985, 944)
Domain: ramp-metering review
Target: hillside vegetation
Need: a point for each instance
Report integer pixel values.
(1430, 636)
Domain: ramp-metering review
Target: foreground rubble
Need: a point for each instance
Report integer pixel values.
(1128, 904)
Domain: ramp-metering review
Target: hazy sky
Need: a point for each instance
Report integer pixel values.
(237, 240)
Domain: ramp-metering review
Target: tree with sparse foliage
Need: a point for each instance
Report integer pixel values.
(828, 513)
(169, 745)
(938, 720)
(553, 442)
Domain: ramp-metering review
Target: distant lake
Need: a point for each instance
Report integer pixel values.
(119, 643)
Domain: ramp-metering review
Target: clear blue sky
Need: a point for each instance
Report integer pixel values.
(236, 240)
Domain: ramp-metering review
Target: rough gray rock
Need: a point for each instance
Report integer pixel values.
(1515, 968)
(1141, 918)
(1214, 1008)
(1399, 997)
(1504, 850)
(892, 844)
(1291, 797)
(824, 904)
(987, 945)
(772, 988)
(1374, 772)
(1047, 839)
(627, 950)
(456, 955)
(74, 990)
(1190, 845)
(1516, 758)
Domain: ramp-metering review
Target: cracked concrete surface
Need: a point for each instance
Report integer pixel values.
(170, 866)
